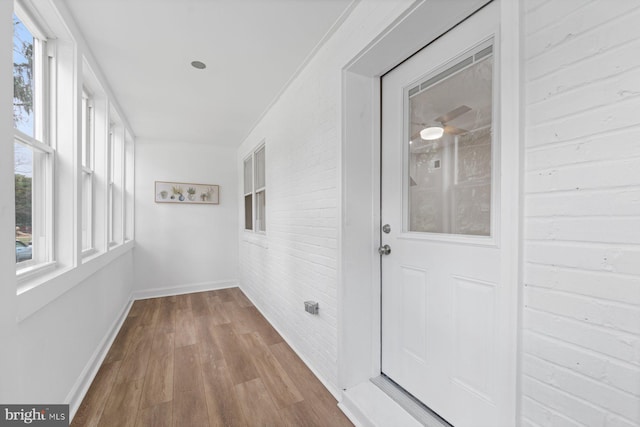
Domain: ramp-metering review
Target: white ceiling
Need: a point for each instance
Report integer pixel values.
(252, 48)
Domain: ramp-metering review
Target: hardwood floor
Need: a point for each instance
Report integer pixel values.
(204, 359)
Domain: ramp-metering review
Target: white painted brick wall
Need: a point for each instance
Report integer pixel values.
(581, 337)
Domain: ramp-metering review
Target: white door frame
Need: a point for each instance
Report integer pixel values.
(359, 268)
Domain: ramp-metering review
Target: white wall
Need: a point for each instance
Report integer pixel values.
(581, 361)
(184, 248)
(57, 344)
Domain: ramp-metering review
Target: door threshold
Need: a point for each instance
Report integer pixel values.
(413, 406)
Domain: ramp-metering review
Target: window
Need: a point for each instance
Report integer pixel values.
(87, 148)
(33, 152)
(449, 185)
(248, 193)
(255, 191)
(73, 170)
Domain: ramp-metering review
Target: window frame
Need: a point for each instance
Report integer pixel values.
(87, 166)
(248, 192)
(115, 183)
(42, 146)
(252, 193)
(110, 154)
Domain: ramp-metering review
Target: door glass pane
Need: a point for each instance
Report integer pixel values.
(449, 156)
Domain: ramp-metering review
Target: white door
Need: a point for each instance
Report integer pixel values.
(441, 287)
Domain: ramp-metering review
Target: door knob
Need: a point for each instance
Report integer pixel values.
(384, 250)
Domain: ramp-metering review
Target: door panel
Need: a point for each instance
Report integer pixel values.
(441, 287)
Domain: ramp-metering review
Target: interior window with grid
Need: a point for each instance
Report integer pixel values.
(255, 191)
(248, 193)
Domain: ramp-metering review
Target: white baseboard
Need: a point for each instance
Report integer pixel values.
(184, 289)
(88, 374)
(329, 386)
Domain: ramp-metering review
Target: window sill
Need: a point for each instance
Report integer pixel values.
(36, 291)
(28, 273)
(88, 254)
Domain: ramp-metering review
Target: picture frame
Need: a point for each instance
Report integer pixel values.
(186, 193)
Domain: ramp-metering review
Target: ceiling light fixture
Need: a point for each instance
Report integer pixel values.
(199, 65)
(432, 132)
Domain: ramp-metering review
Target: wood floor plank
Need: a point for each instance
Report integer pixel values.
(90, 411)
(222, 402)
(183, 302)
(187, 371)
(156, 416)
(263, 327)
(311, 388)
(242, 321)
(158, 384)
(238, 360)
(185, 329)
(302, 414)
(190, 408)
(163, 342)
(301, 375)
(199, 304)
(249, 319)
(134, 365)
(166, 315)
(256, 404)
(218, 312)
(122, 341)
(151, 312)
(225, 295)
(137, 308)
(213, 297)
(121, 408)
(210, 348)
(240, 297)
(282, 389)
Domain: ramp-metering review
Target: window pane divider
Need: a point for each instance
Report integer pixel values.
(32, 142)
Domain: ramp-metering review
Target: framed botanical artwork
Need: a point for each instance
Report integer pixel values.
(183, 192)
